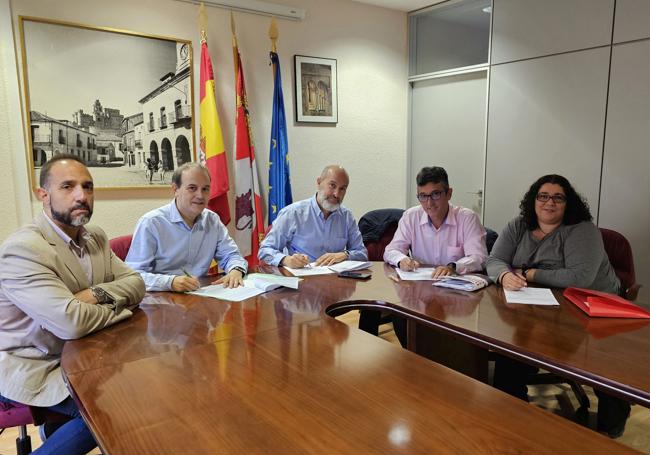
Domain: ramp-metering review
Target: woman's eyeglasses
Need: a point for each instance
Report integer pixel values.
(557, 198)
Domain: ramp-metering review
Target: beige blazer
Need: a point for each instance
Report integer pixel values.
(39, 276)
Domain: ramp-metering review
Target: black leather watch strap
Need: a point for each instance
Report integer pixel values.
(240, 269)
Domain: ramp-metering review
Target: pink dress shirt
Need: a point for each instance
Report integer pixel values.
(460, 239)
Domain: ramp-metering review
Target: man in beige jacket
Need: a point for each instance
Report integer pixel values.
(58, 281)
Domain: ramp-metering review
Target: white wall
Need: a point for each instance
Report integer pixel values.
(369, 43)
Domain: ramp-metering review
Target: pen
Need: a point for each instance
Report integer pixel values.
(415, 269)
(185, 272)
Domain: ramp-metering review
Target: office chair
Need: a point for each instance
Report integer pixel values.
(491, 237)
(620, 256)
(120, 245)
(377, 229)
(20, 415)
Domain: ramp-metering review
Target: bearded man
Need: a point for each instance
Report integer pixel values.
(318, 229)
(59, 281)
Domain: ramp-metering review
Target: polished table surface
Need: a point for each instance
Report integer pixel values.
(275, 373)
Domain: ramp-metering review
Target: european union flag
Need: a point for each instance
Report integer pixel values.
(279, 182)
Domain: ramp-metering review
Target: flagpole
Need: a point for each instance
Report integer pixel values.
(235, 50)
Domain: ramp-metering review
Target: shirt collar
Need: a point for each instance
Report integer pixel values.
(80, 247)
(450, 219)
(176, 217)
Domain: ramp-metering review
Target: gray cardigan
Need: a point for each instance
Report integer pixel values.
(569, 256)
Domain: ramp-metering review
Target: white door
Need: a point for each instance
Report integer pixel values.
(448, 123)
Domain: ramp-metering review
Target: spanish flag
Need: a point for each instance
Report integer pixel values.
(212, 148)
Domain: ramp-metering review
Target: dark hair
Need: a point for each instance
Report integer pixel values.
(434, 174)
(178, 173)
(47, 167)
(576, 211)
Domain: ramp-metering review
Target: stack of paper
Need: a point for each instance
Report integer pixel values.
(254, 284)
(463, 282)
(348, 266)
(313, 269)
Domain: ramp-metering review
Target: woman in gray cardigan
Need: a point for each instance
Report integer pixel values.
(553, 243)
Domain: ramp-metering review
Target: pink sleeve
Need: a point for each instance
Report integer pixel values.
(398, 248)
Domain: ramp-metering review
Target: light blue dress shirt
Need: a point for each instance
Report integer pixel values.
(302, 228)
(164, 245)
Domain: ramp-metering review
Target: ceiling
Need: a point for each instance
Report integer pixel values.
(401, 5)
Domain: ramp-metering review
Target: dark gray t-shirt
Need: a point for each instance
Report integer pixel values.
(570, 256)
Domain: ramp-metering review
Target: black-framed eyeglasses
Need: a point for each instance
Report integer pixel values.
(557, 198)
(434, 196)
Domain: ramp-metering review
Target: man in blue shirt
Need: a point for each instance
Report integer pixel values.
(175, 243)
(316, 229)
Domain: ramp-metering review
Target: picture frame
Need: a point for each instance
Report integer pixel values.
(120, 100)
(316, 92)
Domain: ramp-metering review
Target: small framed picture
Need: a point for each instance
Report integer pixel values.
(316, 94)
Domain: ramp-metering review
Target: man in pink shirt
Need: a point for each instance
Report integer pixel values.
(436, 232)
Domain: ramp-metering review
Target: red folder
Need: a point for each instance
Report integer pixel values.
(604, 305)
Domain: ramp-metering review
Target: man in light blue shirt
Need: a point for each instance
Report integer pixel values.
(175, 243)
(316, 229)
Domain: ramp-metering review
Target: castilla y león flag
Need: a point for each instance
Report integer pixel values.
(249, 221)
(212, 148)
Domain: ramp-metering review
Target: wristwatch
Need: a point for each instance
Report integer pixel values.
(101, 295)
(524, 271)
(452, 266)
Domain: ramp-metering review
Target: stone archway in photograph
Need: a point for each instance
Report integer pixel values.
(39, 157)
(167, 155)
(153, 152)
(183, 154)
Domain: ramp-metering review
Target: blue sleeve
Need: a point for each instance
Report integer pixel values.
(355, 247)
(226, 253)
(141, 257)
(273, 245)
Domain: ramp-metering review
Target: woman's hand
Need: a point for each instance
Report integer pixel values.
(513, 281)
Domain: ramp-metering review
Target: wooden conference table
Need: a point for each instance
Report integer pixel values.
(276, 374)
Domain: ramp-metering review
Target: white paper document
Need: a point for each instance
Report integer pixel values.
(532, 296)
(310, 269)
(344, 266)
(254, 284)
(348, 266)
(420, 274)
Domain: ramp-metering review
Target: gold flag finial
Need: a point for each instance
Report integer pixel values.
(273, 34)
(235, 51)
(203, 22)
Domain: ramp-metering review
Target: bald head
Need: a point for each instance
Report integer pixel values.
(335, 169)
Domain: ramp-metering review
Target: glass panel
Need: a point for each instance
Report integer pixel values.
(453, 35)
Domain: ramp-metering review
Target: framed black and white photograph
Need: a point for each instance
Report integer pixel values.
(120, 100)
(316, 96)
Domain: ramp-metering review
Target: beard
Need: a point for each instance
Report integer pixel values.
(69, 220)
(327, 205)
